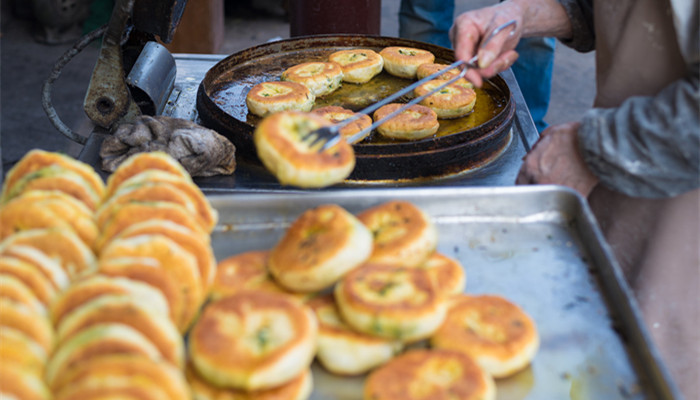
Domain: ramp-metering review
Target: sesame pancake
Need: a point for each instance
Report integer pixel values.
(253, 340)
(195, 244)
(404, 61)
(38, 159)
(141, 162)
(278, 141)
(403, 233)
(63, 245)
(15, 290)
(496, 333)
(359, 65)
(202, 209)
(269, 98)
(57, 178)
(391, 302)
(429, 374)
(21, 351)
(452, 101)
(321, 78)
(128, 214)
(96, 341)
(30, 276)
(91, 288)
(447, 272)
(337, 114)
(135, 313)
(298, 388)
(20, 384)
(174, 259)
(149, 272)
(134, 368)
(245, 271)
(343, 350)
(413, 123)
(35, 326)
(113, 387)
(318, 248)
(48, 266)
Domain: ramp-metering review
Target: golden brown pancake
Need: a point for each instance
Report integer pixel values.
(429, 374)
(141, 162)
(278, 141)
(17, 383)
(359, 65)
(13, 289)
(253, 340)
(35, 326)
(30, 276)
(343, 350)
(415, 122)
(49, 267)
(448, 273)
(21, 351)
(496, 333)
(403, 233)
(318, 248)
(391, 302)
(298, 388)
(404, 61)
(426, 70)
(269, 98)
(37, 159)
(321, 78)
(337, 114)
(114, 387)
(452, 101)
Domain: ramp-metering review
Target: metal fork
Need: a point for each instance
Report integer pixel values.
(328, 136)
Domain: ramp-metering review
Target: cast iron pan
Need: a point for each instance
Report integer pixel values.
(460, 145)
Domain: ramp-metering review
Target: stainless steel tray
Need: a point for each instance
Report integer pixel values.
(537, 246)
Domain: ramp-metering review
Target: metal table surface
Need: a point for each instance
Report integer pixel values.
(191, 68)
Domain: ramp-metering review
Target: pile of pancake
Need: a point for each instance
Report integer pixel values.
(282, 138)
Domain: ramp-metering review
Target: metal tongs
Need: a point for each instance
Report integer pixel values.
(328, 136)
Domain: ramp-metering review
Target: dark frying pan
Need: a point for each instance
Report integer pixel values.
(460, 145)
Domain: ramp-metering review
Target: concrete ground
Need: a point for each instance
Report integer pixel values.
(25, 64)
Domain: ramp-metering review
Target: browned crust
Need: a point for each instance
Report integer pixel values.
(76, 188)
(395, 379)
(141, 162)
(397, 214)
(34, 325)
(447, 271)
(139, 390)
(414, 118)
(325, 302)
(322, 69)
(406, 55)
(31, 276)
(427, 69)
(336, 114)
(452, 96)
(239, 272)
(20, 384)
(294, 92)
(372, 58)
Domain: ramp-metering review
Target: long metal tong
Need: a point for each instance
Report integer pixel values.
(327, 136)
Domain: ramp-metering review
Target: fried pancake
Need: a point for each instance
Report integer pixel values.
(343, 350)
(133, 367)
(37, 159)
(337, 114)
(404, 61)
(17, 216)
(429, 374)
(174, 259)
(279, 144)
(318, 248)
(359, 65)
(425, 70)
(403, 233)
(113, 387)
(452, 101)
(64, 245)
(48, 266)
(20, 384)
(321, 78)
(30, 276)
(21, 351)
(253, 340)
(269, 98)
(245, 271)
(91, 288)
(447, 272)
(95, 341)
(415, 122)
(141, 162)
(496, 333)
(12, 288)
(391, 302)
(122, 309)
(298, 388)
(56, 178)
(195, 244)
(35, 326)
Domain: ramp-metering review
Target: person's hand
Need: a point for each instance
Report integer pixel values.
(556, 159)
(471, 27)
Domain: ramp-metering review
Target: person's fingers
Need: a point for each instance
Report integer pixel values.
(502, 63)
(465, 36)
(474, 77)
